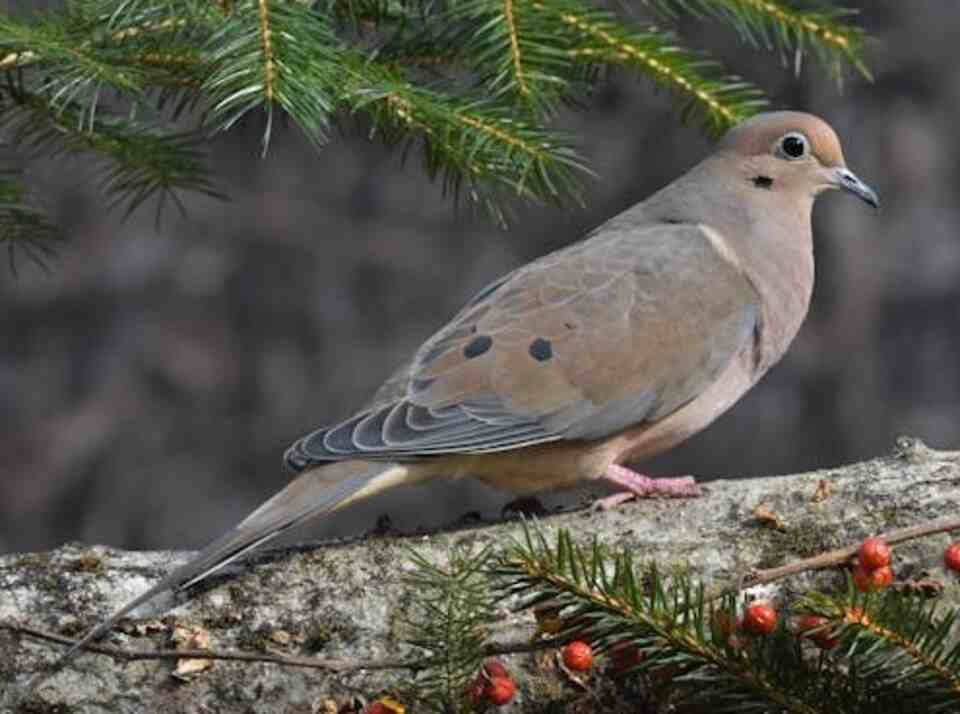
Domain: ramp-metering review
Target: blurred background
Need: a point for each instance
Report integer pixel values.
(150, 384)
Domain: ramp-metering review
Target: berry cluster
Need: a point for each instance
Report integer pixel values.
(493, 686)
(872, 571)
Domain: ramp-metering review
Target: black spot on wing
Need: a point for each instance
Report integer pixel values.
(541, 349)
(477, 346)
(762, 182)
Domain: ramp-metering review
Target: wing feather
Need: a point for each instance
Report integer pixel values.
(623, 328)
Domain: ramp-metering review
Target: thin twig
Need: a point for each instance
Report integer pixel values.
(834, 557)
(332, 665)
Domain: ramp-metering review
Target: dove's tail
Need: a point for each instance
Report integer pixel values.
(313, 493)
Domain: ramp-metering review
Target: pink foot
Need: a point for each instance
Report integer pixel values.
(640, 486)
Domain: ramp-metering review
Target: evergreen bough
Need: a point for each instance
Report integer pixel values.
(470, 85)
(891, 652)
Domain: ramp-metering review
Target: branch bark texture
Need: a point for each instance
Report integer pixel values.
(342, 602)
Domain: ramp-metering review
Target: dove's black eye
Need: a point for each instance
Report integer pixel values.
(793, 146)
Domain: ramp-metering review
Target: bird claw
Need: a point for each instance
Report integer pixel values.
(638, 485)
(609, 502)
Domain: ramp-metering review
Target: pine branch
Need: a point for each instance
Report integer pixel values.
(89, 47)
(73, 74)
(174, 80)
(361, 16)
(164, 44)
(24, 229)
(449, 622)
(469, 84)
(271, 54)
(539, 53)
(141, 161)
(515, 55)
(791, 26)
(900, 650)
(474, 143)
(697, 81)
(613, 605)
(899, 646)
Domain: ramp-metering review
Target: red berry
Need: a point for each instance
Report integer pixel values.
(491, 684)
(495, 668)
(500, 691)
(874, 553)
(578, 656)
(872, 580)
(951, 556)
(823, 638)
(883, 577)
(760, 618)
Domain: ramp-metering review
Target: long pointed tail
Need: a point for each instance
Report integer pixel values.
(313, 493)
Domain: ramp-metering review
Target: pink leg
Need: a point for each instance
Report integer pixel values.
(639, 486)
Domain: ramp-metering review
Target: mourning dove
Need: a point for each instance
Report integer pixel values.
(611, 350)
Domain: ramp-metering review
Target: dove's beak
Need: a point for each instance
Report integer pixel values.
(847, 180)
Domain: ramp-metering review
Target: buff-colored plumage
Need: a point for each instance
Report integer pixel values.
(615, 348)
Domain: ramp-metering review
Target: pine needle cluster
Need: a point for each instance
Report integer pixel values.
(892, 652)
(448, 626)
(469, 85)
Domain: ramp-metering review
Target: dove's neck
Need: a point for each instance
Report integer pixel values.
(769, 231)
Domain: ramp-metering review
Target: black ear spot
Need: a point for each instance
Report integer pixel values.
(541, 349)
(762, 181)
(477, 346)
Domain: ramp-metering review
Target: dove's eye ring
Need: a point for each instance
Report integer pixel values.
(793, 146)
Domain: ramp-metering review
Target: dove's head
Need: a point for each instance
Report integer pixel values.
(794, 153)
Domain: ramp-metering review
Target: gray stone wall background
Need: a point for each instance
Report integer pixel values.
(150, 384)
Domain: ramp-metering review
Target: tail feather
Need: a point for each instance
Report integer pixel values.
(313, 493)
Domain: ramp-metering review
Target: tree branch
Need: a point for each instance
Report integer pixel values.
(333, 612)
